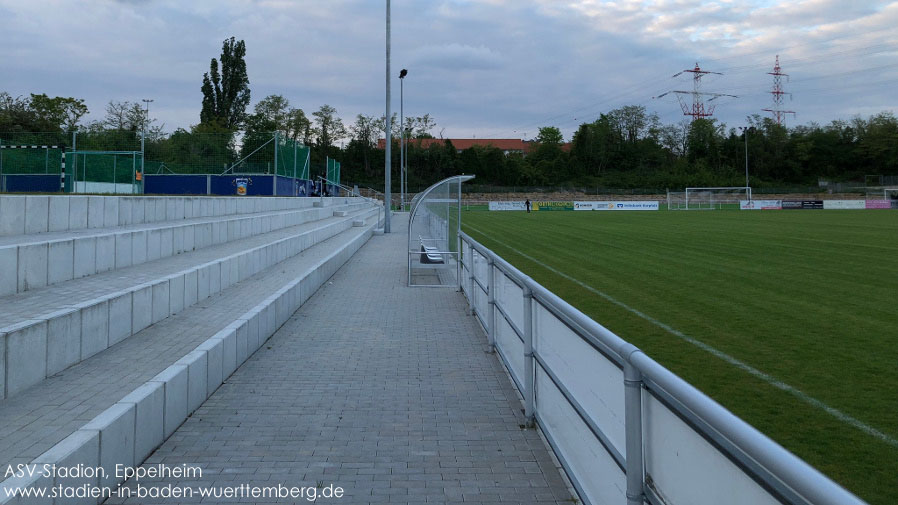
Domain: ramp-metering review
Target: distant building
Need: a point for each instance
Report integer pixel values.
(507, 146)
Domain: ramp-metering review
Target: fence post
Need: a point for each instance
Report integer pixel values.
(274, 179)
(633, 427)
(62, 170)
(529, 378)
(460, 266)
(491, 309)
(133, 175)
(471, 280)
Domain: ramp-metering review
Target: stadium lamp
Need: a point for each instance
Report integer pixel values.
(402, 160)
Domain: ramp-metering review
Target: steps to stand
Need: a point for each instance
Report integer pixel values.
(133, 350)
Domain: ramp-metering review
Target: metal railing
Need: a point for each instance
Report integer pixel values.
(625, 429)
(378, 199)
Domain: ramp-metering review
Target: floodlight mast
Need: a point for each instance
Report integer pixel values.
(388, 126)
(746, 130)
(402, 160)
(143, 136)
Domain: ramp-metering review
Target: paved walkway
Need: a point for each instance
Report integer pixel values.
(378, 388)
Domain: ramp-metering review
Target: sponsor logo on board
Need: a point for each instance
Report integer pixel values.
(507, 206)
(760, 204)
(637, 205)
(878, 204)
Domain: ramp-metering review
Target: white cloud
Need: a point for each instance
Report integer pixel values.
(456, 57)
(485, 67)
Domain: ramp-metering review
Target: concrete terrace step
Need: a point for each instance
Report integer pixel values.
(137, 392)
(29, 214)
(41, 259)
(44, 331)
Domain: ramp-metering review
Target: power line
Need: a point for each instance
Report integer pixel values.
(574, 115)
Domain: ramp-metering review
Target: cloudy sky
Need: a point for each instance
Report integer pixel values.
(485, 68)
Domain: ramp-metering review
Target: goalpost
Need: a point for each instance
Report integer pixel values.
(708, 198)
(35, 162)
(112, 172)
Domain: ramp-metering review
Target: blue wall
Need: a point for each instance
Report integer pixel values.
(226, 185)
(285, 186)
(223, 185)
(32, 183)
(174, 184)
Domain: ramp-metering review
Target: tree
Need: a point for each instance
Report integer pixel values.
(422, 126)
(40, 113)
(226, 94)
(633, 123)
(273, 110)
(673, 137)
(366, 130)
(703, 141)
(15, 114)
(299, 126)
(329, 128)
(550, 135)
(63, 113)
(124, 116)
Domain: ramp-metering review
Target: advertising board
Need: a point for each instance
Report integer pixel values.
(760, 204)
(843, 204)
(552, 205)
(507, 206)
(878, 204)
(802, 204)
(622, 205)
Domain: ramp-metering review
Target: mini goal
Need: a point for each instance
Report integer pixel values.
(708, 198)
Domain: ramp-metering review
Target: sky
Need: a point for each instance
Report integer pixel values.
(481, 68)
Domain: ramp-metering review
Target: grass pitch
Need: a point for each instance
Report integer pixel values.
(809, 298)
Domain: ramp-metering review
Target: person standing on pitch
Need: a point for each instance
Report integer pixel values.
(527, 204)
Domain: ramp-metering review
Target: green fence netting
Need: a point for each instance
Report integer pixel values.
(333, 171)
(31, 153)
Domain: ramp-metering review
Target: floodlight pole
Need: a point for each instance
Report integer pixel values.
(402, 140)
(746, 158)
(745, 130)
(388, 125)
(143, 136)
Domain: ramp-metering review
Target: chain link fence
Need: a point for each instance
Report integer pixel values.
(114, 161)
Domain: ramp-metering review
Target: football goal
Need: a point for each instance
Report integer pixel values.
(113, 172)
(708, 198)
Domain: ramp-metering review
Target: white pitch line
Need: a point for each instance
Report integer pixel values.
(773, 381)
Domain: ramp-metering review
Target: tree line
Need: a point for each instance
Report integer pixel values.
(626, 147)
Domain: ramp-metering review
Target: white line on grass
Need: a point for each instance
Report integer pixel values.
(773, 381)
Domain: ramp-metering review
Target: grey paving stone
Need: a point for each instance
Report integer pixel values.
(378, 388)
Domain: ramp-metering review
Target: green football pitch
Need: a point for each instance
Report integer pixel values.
(787, 318)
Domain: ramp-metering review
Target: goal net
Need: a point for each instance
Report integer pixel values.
(708, 198)
(112, 172)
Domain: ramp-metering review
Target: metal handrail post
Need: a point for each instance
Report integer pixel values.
(633, 429)
(491, 308)
(459, 267)
(529, 378)
(471, 281)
